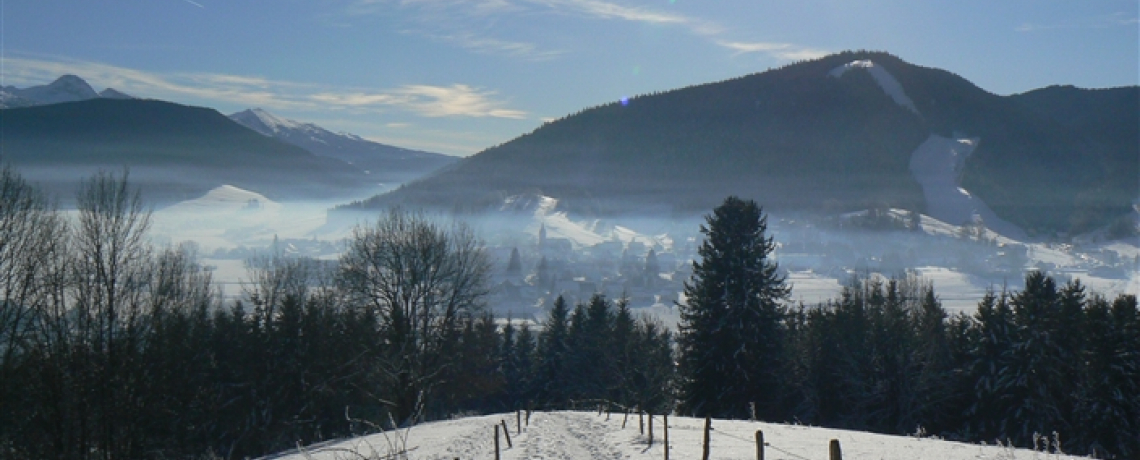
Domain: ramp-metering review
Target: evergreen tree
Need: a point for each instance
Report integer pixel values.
(553, 348)
(895, 364)
(514, 266)
(1036, 366)
(1108, 399)
(652, 269)
(730, 332)
(542, 272)
(509, 364)
(522, 389)
(655, 374)
(621, 356)
(990, 368)
(936, 384)
(578, 364)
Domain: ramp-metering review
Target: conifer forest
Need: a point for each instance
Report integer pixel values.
(114, 348)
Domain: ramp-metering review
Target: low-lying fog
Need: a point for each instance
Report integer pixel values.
(586, 255)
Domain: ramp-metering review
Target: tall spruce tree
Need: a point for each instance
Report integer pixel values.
(730, 332)
(553, 353)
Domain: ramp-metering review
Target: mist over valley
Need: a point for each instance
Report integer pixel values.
(866, 164)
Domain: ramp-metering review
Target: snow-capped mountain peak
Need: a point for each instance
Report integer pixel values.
(385, 163)
(269, 124)
(68, 88)
(886, 81)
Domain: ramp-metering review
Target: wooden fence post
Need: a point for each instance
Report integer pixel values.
(665, 427)
(759, 445)
(836, 453)
(708, 440)
(506, 433)
(497, 442)
(528, 418)
(625, 419)
(518, 421)
(651, 428)
(640, 421)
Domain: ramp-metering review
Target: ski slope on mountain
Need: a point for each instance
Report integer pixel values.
(884, 79)
(587, 435)
(937, 166)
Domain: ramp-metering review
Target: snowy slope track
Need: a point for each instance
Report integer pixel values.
(886, 81)
(568, 435)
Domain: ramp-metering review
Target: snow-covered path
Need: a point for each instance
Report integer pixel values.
(587, 435)
(565, 436)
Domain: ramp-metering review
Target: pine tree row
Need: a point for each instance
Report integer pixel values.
(1032, 367)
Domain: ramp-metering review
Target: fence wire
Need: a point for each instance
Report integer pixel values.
(719, 433)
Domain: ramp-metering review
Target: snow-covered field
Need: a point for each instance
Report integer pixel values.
(587, 435)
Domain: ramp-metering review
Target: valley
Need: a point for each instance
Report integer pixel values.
(608, 255)
(841, 241)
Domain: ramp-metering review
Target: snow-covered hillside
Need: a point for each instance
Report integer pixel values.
(937, 166)
(587, 435)
(269, 125)
(937, 163)
(344, 146)
(580, 233)
(229, 216)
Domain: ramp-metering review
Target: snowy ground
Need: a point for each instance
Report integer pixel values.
(587, 435)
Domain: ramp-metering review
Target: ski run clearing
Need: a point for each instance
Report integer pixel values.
(587, 435)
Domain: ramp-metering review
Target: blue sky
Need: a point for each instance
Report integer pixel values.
(457, 76)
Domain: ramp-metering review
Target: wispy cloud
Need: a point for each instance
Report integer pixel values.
(457, 100)
(192, 2)
(611, 11)
(495, 46)
(466, 23)
(784, 51)
(426, 100)
(1118, 19)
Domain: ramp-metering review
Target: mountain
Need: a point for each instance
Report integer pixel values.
(174, 152)
(67, 88)
(385, 163)
(112, 93)
(840, 133)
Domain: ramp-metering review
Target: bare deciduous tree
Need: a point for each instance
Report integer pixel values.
(29, 229)
(179, 282)
(111, 270)
(423, 280)
(32, 239)
(276, 276)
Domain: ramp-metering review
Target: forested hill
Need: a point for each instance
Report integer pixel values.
(801, 137)
(174, 152)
